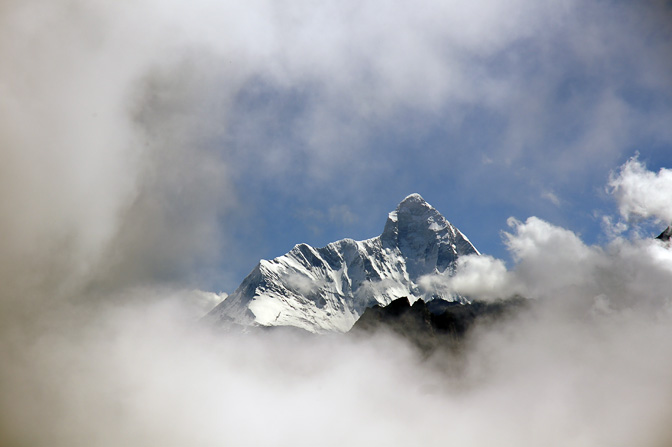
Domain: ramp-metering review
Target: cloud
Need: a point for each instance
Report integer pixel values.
(204, 301)
(642, 193)
(171, 110)
(547, 258)
(304, 284)
(124, 129)
(143, 375)
(551, 197)
(333, 77)
(553, 264)
(482, 276)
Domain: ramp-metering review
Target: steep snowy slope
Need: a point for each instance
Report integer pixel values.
(327, 289)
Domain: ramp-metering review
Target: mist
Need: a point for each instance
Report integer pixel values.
(586, 364)
(126, 131)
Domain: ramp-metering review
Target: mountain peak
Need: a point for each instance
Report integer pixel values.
(328, 288)
(425, 239)
(417, 207)
(414, 200)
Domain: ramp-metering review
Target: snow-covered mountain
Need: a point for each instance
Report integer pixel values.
(327, 289)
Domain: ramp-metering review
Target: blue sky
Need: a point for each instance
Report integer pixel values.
(488, 111)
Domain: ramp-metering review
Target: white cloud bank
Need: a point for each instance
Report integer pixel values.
(552, 263)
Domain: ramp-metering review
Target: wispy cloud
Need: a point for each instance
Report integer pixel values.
(551, 197)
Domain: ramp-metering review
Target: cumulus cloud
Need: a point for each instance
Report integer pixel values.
(547, 258)
(479, 276)
(553, 264)
(642, 193)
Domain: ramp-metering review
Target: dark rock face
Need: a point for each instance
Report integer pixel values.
(665, 235)
(400, 317)
(438, 323)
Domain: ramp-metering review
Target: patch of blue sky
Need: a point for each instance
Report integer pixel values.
(546, 123)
